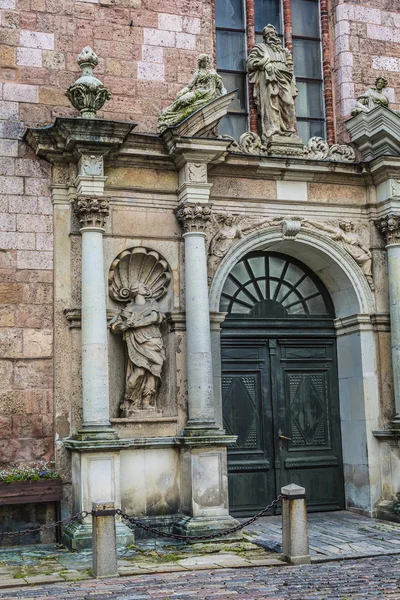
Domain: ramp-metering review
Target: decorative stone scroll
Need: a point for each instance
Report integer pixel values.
(139, 277)
(389, 227)
(92, 211)
(88, 94)
(193, 217)
(316, 149)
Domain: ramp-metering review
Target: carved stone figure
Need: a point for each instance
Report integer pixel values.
(88, 94)
(372, 98)
(349, 239)
(139, 277)
(205, 85)
(228, 228)
(271, 71)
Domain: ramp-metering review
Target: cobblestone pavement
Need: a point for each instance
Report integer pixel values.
(377, 578)
(334, 535)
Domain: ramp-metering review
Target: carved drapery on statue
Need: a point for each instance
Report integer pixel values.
(271, 72)
(206, 85)
(224, 229)
(139, 277)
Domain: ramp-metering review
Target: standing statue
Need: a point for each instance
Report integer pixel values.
(228, 229)
(271, 71)
(138, 277)
(372, 98)
(351, 241)
(205, 85)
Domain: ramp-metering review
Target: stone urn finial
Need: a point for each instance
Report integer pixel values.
(88, 94)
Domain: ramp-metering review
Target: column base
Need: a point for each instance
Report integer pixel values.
(206, 526)
(202, 428)
(396, 423)
(78, 536)
(96, 433)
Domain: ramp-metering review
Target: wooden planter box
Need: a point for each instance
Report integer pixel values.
(27, 492)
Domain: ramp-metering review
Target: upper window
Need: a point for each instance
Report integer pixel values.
(232, 46)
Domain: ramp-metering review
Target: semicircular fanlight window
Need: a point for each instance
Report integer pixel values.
(269, 285)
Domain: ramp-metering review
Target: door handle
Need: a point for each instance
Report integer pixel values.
(284, 437)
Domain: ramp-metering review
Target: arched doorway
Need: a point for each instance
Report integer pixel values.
(280, 384)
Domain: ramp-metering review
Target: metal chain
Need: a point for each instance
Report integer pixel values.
(79, 516)
(186, 538)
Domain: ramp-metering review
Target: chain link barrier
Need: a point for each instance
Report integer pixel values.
(78, 517)
(188, 538)
(184, 538)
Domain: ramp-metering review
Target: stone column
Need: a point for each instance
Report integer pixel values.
(92, 212)
(390, 228)
(194, 218)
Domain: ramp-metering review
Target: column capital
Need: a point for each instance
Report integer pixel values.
(193, 217)
(92, 211)
(389, 226)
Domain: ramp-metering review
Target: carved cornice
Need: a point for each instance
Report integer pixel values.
(193, 217)
(92, 211)
(389, 227)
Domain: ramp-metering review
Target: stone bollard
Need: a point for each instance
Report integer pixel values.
(295, 547)
(104, 543)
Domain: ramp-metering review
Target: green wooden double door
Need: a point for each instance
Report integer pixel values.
(280, 385)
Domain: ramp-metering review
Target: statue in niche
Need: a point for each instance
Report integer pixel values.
(372, 98)
(271, 71)
(227, 228)
(205, 85)
(140, 277)
(350, 239)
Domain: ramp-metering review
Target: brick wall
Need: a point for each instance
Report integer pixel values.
(367, 44)
(147, 52)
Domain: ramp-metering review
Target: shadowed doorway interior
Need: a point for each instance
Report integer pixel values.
(280, 384)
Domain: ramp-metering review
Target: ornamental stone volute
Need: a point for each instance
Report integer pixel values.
(389, 227)
(92, 211)
(193, 217)
(88, 94)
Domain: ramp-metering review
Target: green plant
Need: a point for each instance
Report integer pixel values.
(26, 472)
(396, 508)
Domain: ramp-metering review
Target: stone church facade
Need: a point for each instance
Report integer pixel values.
(195, 314)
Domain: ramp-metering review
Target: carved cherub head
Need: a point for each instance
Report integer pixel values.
(346, 225)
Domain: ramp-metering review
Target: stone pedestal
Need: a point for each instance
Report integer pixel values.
(376, 133)
(295, 548)
(95, 476)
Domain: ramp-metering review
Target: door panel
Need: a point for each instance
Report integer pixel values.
(287, 388)
(248, 414)
(306, 395)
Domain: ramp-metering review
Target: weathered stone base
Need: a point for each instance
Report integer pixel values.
(206, 525)
(78, 536)
(384, 511)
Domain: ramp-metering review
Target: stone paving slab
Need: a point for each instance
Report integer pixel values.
(363, 579)
(333, 535)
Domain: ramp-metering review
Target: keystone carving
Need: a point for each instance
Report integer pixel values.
(92, 211)
(193, 217)
(88, 94)
(389, 227)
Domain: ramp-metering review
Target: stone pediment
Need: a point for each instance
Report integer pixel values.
(201, 123)
(376, 133)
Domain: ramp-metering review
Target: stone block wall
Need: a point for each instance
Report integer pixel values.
(367, 44)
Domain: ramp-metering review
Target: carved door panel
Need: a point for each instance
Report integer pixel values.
(280, 397)
(305, 395)
(247, 413)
